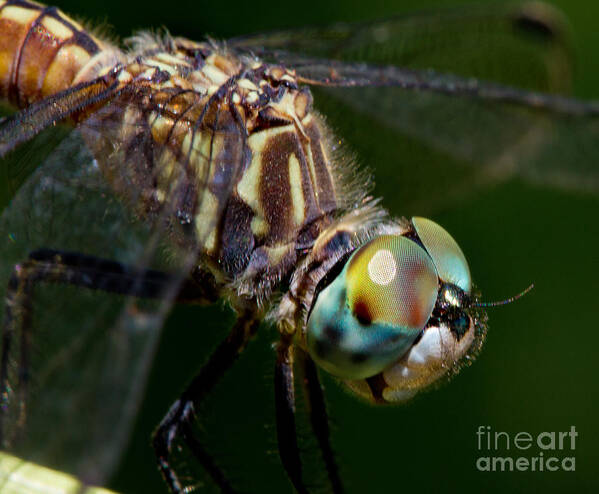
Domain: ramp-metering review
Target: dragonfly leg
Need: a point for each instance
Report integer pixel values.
(73, 268)
(180, 417)
(285, 414)
(319, 419)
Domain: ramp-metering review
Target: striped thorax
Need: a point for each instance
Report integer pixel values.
(193, 126)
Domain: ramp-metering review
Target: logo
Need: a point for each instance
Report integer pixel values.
(525, 452)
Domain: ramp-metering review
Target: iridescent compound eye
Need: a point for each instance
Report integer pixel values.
(399, 310)
(370, 315)
(446, 253)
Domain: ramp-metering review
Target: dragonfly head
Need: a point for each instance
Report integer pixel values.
(398, 316)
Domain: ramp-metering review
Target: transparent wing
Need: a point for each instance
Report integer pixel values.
(40, 115)
(88, 351)
(35, 126)
(525, 45)
(434, 92)
(497, 131)
(85, 346)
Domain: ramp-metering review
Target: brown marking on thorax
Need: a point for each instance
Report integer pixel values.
(290, 191)
(234, 149)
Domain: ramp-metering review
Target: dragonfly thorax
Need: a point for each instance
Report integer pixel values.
(227, 151)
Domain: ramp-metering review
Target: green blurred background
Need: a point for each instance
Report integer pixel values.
(537, 371)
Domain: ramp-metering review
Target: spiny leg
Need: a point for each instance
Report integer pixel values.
(285, 414)
(319, 419)
(52, 266)
(180, 417)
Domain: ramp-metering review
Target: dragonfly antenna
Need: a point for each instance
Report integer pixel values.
(507, 300)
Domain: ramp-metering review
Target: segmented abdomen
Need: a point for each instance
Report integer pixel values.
(41, 51)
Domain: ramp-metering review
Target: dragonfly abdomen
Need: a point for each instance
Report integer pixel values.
(41, 51)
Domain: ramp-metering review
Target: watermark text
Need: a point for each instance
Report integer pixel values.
(525, 452)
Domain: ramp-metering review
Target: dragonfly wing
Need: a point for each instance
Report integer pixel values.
(500, 131)
(525, 45)
(381, 71)
(90, 351)
(25, 125)
(38, 127)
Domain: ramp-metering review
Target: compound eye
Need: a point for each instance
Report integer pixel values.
(391, 280)
(446, 253)
(369, 316)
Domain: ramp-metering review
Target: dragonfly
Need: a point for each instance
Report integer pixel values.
(188, 172)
